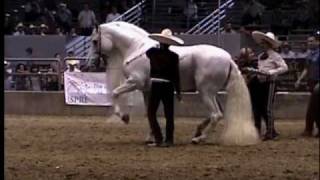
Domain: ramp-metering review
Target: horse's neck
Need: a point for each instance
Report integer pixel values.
(131, 44)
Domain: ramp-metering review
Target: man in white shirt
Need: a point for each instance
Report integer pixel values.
(87, 20)
(112, 15)
(262, 88)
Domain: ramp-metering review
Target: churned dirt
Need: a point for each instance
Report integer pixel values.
(58, 148)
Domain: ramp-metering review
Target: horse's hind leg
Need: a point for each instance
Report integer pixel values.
(206, 128)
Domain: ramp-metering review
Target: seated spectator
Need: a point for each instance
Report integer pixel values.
(286, 52)
(21, 80)
(32, 30)
(228, 29)
(72, 66)
(52, 83)
(19, 30)
(73, 32)
(43, 29)
(112, 15)
(190, 11)
(59, 31)
(35, 81)
(303, 51)
(87, 20)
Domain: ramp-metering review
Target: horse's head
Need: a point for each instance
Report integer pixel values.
(101, 44)
(118, 40)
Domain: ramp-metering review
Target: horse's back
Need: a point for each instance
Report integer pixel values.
(204, 50)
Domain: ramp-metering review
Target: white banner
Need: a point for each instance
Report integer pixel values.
(87, 89)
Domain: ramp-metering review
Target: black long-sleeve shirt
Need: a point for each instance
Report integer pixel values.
(164, 64)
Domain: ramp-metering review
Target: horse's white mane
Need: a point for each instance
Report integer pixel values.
(127, 26)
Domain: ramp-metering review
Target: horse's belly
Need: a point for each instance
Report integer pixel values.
(187, 81)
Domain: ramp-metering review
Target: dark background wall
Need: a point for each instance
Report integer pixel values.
(44, 47)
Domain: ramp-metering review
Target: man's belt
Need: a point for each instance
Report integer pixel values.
(159, 80)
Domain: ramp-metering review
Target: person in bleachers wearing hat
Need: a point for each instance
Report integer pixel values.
(270, 65)
(72, 66)
(165, 78)
(32, 30)
(43, 29)
(19, 30)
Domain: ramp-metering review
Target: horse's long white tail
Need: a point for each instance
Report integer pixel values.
(239, 127)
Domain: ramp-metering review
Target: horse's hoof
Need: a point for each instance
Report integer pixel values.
(125, 118)
(148, 141)
(195, 141)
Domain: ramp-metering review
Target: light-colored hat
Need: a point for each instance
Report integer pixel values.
(63, 4)
(6, 63)
(166, 37)
(72, 62)
(269, 37)
(43, 26)
(20, 25)
(31, 26)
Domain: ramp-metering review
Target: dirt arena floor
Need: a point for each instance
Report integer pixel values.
(87, 148)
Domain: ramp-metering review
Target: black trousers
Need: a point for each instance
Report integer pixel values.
(262, 98)
(313, 110)
(161, 91)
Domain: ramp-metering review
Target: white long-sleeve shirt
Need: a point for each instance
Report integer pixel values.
(273, 65)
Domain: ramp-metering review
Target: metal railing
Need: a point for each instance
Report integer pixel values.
(79, 45)
(211, 23)
(134, 14)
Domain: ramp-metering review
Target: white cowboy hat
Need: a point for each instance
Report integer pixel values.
(43, 26)
(269, 37)
(20, 25)
(72, 62)
(31, 26)
(166, 37)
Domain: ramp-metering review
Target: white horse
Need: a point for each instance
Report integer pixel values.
(204, 68)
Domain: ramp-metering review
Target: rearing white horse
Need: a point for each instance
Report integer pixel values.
(205, 68)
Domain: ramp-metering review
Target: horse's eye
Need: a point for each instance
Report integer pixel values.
(95, 42)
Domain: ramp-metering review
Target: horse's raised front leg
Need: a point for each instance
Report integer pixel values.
(128, 86)
(206, 127)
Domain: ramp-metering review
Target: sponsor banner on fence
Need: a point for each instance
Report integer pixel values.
(87, 89)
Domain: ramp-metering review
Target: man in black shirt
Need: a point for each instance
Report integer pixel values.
(164, 76)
